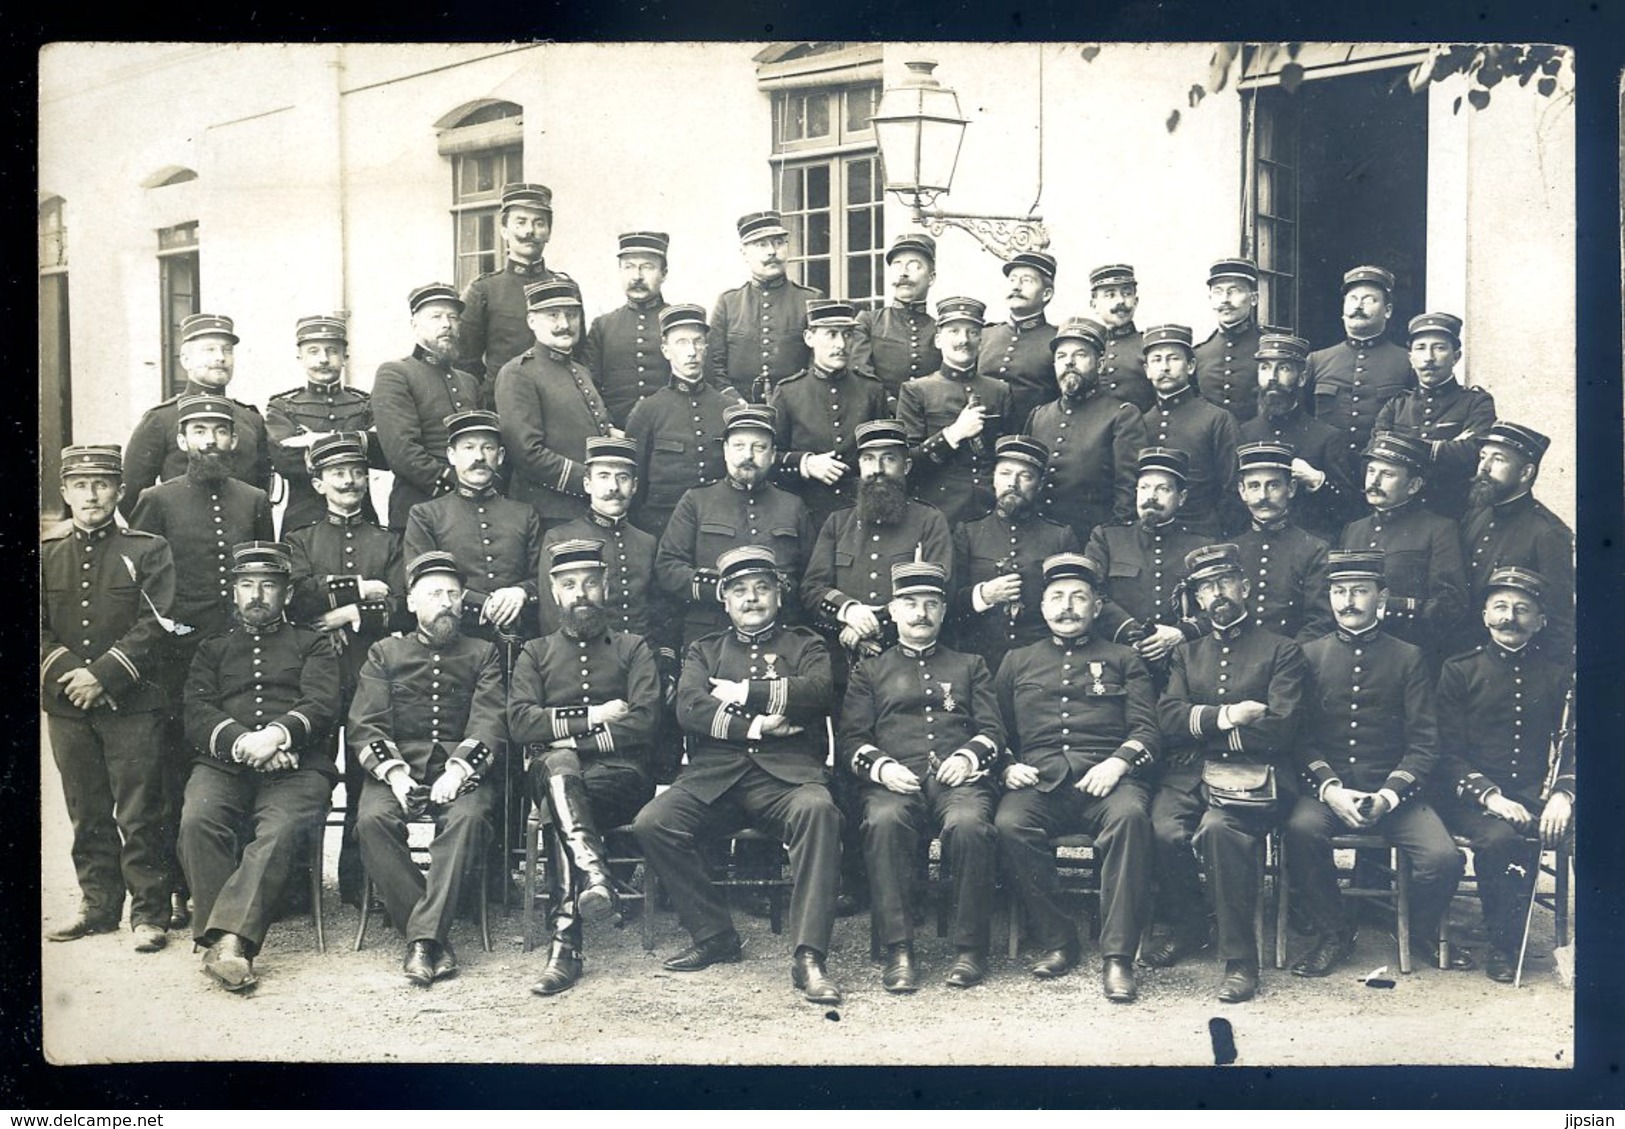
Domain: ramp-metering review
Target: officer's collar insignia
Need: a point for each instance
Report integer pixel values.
(911, 307)
(484, 494)
(756, 636)
(605, 520)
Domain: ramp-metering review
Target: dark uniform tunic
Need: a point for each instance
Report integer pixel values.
(896, 343)
(153, 456)
(1018, 353)
(1348, 383)
(1521, 533)
(548, 407)
(818, 413)
(494, 327)
(993, 546)
(1208, 435)
(1142, 569)
(1068, 705)
(316, 408)
(954, 480)
(1440, 417)
(496, 540)
(201, 525)
(1427, 587)
(755, 339)
(630, 595)
(410, 399)
(1122, 368)
(1094, 449)
(327, 558)
(623, 355)
(679, 435)
(1341, 498)
(1286, 571)
(1227, 371)
(918, 708)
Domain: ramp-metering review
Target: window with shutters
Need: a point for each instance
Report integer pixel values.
(486, 153)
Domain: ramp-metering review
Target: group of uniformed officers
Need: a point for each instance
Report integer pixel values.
(1009, 581)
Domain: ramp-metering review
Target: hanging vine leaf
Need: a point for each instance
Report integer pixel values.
(1224, 55)
(1292, 77)
(1196, 96)
(1173, 121)
(1478, 98)
(1545, 86)
(1088, 52)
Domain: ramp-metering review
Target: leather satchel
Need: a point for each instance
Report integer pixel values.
(1248, 786)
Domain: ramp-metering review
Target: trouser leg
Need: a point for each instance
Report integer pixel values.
(890, 832)
(1507, 865)
(286, 809)
(803, 817)
(213, 830)
(133, 752)
(1175, 814)
(1307, 838)
(381, 836)
(77, 749)
(1228, 839)
(462, 830)
(1415, 828)
(970, 852)
(1121, 825)
(1025, 822)
(667, 830)
(351, 878)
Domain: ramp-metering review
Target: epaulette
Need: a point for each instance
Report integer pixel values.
(1476, 388)
(126, 531)
(245, 404)
(1121, 404)
(793, 377)
(57, 532)
(503, 269)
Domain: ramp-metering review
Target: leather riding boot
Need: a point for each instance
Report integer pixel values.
(564, 954)
(572, 815)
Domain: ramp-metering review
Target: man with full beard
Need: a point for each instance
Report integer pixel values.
(623, 346)
(1224, 362)
(1114, 295)
(1093, 439)
(898, 342)
(1018, 351)
(1349, 382)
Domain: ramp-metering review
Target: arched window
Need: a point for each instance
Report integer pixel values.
(484, 144)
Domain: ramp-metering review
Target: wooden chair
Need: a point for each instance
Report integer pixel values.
(623, 854)
(1395, 893)
(422, 851)
(1556, 863)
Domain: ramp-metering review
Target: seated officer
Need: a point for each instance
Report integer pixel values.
(1081, 716)
(1501, 709)
(261, 701)
(753, 701)
(920, 784)
(584, 704)
(426, 723)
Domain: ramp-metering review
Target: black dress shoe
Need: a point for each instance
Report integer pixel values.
(180, 913)
(83, 926)
(900, 974)
(1460, 959)
(968, 969)
(1117, 980)
(1240, 981)
(808, 976)
(419, 963)
(1057, 962)
(228, 962)
(1176, 946)
(562, 971)
(1499, 967)
(724, 947)
(1332, 950)
(445, 963)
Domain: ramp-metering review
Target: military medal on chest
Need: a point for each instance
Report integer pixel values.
(1096, 669)
(769, 660)
(948, 696)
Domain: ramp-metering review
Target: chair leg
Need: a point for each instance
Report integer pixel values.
(1402, 894)
(1283, 897)
(1561, 861)
(533, 835)
(366, 910)
(316, 885)
(485, 909)
(651, 897)
(1014, 914)
(1262, 851)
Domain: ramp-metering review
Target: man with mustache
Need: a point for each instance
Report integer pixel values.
(1369, 744)
(1018, 351)
(1507, 526)
(1232, 700)
(1183, 420)
(1327, 495)
(953, 416)
(1348, 383)
(755, 336)
(427, 724)
(495, 329)
(412, 397)
(584, 704)
(898, 341)
(549, 406)
(1500, 710)
(1114, 294)
(300, 417)
(999, 558)
(920, 726)
(1093, 438)
(261, 703)
(1449, 418)
(819, 410)
(753, 700)
(623, 346)
(1224, 362)
(208, 355)
(1081, 716)
(1284, 566)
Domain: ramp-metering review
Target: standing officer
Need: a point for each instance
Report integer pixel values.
(549, 406)
(1225, 374)
(1183, 420)
(921, 725)
(819, 410)
(1113, 296)
(623, 346)
(261, 702)
(494, 327)
(1018, 351)
(105, 596)
(756, 337)
(1231, 703)
(427, 722)
(1350, 382)
(1283, 565)
(898, 342)
(299, 417)
(999, 558)
(1093, 438)
(1450, 419)
(584, 706)
(1081, 716)
(412, 397)
(754, 701)
(953, 416)
(208, 354)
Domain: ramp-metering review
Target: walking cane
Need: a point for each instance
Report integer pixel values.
(1555, 759)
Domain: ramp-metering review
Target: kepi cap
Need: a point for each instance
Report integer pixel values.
(1354, 564)
(761, 225)
(1265, 455)
(1528, 442)
(538, 197)
(557, 293)
(881, 433)
(612, 449)
(1041, 261)
(682, 313)
(1524, 580)
(1071, 566)
(1022, 449)
(1392, 447)
(474, 419)
(578, 553)
(321, 327)
(1243, 269)
(747, 560)
(1087, 330)
(207, 325)
(1370, 276)
(106, 459)
(1168, 460)
(644, 243)
(1212, 560)
(272, 558)
(204, 405)
(961, 309)
(338, 449)
(1447, 324)
(433, 292)
(755, 417)
(1281, 347)
(831, 313)
(427, 564)
(918, 578)
(1169, 335)
(917, 242)
(1112, 274)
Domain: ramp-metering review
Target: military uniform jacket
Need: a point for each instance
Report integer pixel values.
(1286, 571)
(679, 434)
(954, 480)
(1143, 569)
(410, 398)
(1440, 416)
(1341, 497)
(1427, 588)
(316, 408)
(1350, 382)
(789, 674)
(101, 593)
(852, 561)
(1018, 353)
(896, 343)
(1368, 720)
(1227, 371)
(819, 412)
(1523, 533)
(710, 520)
(630, 595)
(423, 706)
(248, 678)
(918, 708)
(992, 546)
(340, 550)
(623, 355)
(201, 525)
(1122, 368)
(496, 540)
(494, 327)
(1069, 704)
(1208, 434)
(548, 406)
(1094, 452)
(1499, 711)
(755, 339)
(152, 455)
(556, 679)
